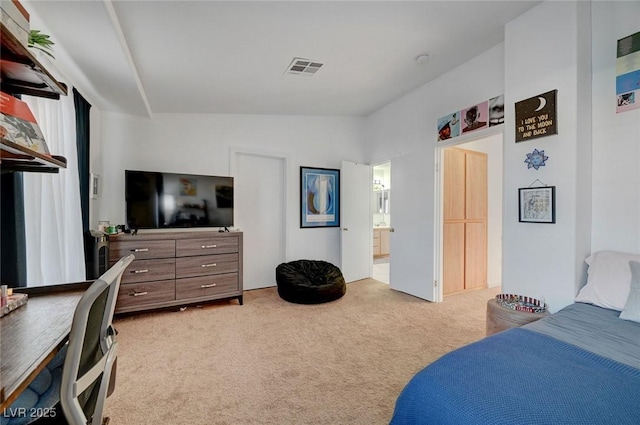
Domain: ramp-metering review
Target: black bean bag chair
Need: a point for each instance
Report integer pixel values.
(309, 282)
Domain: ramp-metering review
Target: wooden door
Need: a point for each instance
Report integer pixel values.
(465, 220)
(475, 220)
(454, 215)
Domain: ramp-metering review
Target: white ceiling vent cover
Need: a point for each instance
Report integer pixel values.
(304, 67)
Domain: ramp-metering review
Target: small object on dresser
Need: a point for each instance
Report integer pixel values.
(13, 302)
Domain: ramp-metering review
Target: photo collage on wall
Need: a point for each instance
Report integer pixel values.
(482, 115)
(628, 73)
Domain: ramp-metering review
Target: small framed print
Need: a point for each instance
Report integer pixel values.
(94, 186)
(537, 204)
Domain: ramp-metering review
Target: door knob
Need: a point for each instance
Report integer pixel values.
(345, 229)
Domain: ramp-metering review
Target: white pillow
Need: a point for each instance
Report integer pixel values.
(608, 280)
(632, 307)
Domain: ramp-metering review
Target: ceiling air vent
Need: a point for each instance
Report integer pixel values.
(306, 67)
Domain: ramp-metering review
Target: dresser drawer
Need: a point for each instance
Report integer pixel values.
(206, 264)
(206, 286)
(135, 294)
(147, 270)
(142, 249)
(206, 246)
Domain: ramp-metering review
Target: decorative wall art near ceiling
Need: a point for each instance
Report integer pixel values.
(628, 73)
(483, 115)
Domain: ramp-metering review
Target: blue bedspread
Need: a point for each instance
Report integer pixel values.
(521, 377)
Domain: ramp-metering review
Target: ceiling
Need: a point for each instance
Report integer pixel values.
(230, 57)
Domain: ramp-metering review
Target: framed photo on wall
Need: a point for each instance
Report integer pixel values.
(94, 185)
(537, 204)
(319, 197)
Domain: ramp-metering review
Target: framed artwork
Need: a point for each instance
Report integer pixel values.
(537, 204)
(628, 73)
(319, 197)
(536, 116)
(94, 185)
(449, 126)
(475, 117)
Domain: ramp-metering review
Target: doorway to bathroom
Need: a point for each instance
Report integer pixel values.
(381, 211)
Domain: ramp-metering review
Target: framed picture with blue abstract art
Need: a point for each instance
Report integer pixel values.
(319, 197)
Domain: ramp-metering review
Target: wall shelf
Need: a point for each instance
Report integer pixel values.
(15, 157)
(22, 73)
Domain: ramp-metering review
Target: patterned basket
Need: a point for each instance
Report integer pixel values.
(521, 303)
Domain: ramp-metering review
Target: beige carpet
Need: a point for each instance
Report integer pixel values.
(272, 362)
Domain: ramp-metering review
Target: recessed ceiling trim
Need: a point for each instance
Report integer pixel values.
(115, 22)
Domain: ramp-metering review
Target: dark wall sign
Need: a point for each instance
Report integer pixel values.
(536, 117)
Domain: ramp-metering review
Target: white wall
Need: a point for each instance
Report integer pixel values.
(616, 137)
(546, 260)
(201, 144)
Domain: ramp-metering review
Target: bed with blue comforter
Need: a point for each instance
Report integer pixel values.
(579, 366)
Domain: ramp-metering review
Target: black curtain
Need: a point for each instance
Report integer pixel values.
(82, 141)
(13, 241)
(13, 267)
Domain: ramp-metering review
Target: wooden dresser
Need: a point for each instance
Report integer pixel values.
(177, 268)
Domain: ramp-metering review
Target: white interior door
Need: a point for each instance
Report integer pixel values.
(260, 213)
(355, 220)
(412, 247)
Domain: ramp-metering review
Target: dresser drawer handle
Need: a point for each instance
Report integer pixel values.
(211, 285)
(209, 246)
(140, 271)
(209, 265)
(138, 294)
(140, 250)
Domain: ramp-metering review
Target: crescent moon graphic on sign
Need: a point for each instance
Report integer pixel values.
(543, 103)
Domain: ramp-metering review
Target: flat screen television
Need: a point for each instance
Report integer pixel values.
(156, 200)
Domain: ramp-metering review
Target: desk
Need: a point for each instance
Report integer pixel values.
(29, 338)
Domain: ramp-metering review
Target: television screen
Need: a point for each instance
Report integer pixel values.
(156, 200)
